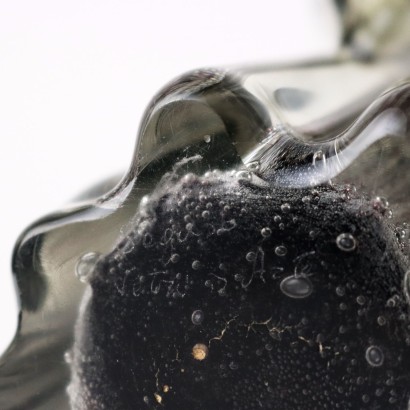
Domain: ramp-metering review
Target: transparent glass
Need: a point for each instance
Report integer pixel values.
(255, 254)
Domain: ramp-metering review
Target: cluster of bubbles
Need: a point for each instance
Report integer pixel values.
(381, 205)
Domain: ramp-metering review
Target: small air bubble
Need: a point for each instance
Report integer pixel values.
(207, 138)
(340, 291)
(266, 232)
(281, 250)
(196, 265)
(361, 300)
(250, 256)
(374, 356)
(68, 357)
(365, 398)
(144, 200)
(346, 242)
(296, 287)
(379, 392)
(175, 258)
(253, 166)
(188, 178)
(285, 207)
(197, 317)
(233, 365)
(391, 302)
(86, 265)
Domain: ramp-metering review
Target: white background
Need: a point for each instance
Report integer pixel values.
(75, 77)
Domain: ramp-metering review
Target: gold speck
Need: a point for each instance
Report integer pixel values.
(200, 351)
(165, 389)
(158, 398)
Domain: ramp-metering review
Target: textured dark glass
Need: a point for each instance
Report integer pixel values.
(275, 331)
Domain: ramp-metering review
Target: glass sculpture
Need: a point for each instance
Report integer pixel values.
(254, 256)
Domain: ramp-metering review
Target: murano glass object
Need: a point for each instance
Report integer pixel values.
(254, 256)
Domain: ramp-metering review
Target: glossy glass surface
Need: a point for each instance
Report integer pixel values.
(255, 255)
